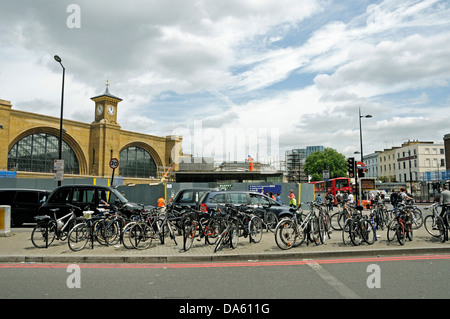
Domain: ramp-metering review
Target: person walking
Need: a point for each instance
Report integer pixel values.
(279, 198)
(292, 201)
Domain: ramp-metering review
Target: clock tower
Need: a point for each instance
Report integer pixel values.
(104, 140)
(106, 107)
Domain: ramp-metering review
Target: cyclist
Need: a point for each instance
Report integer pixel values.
(403, 196)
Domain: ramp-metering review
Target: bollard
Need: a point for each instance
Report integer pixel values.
(5, 220)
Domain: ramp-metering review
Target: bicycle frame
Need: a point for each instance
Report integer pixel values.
(404, 227)
(60, 230)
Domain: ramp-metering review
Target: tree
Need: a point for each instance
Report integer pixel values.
(328, 159)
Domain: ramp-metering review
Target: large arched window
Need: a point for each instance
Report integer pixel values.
(37, 152)
(137, 162)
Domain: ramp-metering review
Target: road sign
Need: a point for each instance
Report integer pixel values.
(114, 163)
(58, 169)
(58, 165)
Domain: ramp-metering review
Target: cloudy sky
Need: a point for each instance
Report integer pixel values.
(238, 77)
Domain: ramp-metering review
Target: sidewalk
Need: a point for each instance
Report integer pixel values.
(19, 248)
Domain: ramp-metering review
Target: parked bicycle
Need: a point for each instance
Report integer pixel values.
(358, 228)
(269, 219)
(250, 224)
(155, 226)
(436, 225)
(324, 221)
(200, 225)
(50, 228)
(100, 225)
(230, 233)
(379, 214)
(338, 219)
(293, 231)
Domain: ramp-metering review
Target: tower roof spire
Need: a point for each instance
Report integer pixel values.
(107, 84)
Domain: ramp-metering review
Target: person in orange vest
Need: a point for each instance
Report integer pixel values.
(161, 202)
(250, 163)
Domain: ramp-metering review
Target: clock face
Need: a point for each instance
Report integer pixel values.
(111, 110)
(99, 109)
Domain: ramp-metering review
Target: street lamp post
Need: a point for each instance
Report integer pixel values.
(58, 59)
(361, 147)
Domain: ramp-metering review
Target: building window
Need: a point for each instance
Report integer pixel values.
(137, 162)
(37, 152)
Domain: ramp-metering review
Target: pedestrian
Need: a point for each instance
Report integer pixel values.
(292, 201)
(403, 196)
(319, 199)
(338, 198)
(350, 197)
(271, 196)
(279, 198)
(445, 202)
(330, 200)
(394, 199)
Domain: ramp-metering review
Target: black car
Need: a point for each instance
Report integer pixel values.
(24, 203)
(213, 198)
(85, 196)
(188, 197)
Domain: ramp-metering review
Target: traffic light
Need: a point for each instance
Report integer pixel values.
(361, 172)
(351, 167)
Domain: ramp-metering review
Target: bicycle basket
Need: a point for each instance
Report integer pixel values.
(88, 214)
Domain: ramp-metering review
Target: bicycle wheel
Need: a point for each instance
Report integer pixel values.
(222, 238)
(79, 236)
(286, 234)
(441, 228)
(255, 229)
(212, 231)
(321, 229)
(327, 224)
(99, 231)
(401, 234)
(141, 235)
(346, 233)
(189, 231)
(335, 221)
(271, 221)
(111, 232)
(368, 231)
(417, 221)
(43, 234)
(355, 232)
(391, 229)
(430, 224)
(126, 238)
(379, 219)
(234, 234)
(314, 231)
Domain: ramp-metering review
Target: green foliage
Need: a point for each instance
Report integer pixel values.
(328, 159)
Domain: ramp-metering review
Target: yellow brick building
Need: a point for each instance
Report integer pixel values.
(29, 145)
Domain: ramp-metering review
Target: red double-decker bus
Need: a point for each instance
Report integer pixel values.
(332, 186)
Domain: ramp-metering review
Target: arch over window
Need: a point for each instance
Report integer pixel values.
(36, 153)
(137, 162)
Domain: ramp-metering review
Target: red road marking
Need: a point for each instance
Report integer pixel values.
(231, 264)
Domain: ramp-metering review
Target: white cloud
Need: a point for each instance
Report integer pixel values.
(303, 68)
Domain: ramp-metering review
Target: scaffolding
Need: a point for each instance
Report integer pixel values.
(295, 161)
